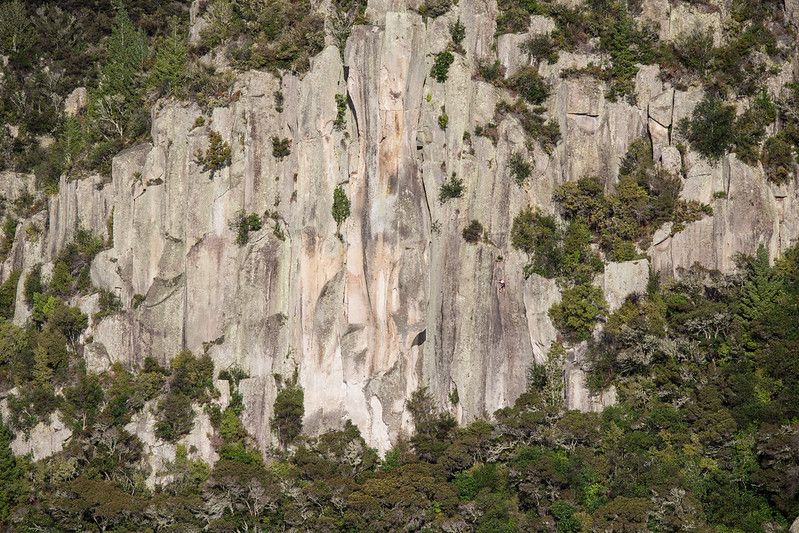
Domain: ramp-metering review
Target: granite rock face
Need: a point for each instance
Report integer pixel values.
(401, 300)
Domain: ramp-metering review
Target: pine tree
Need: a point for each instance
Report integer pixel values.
(168, 73)
(117, 102)
(42, 372)
(761, 289)
(17, 36)
(127, 52)
(10, 474)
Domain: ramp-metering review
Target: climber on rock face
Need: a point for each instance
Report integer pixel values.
(502, 284)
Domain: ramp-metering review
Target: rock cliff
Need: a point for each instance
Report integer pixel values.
(401, 299)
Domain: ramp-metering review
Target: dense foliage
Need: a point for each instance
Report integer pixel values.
(645, 198)
(269, 34)
(49, 45)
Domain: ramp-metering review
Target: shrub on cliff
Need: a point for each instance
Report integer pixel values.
(33, 283)
(341, 112)
(216, 157)
(695, 50)
(520, 168)
(710, 128)
(514, 15)
(434, 8)
(9, 232)
(539, 236)
(440, 69)
(530, 85)
(115, 107)
(71, 268)
(579, 310)
(452, 188)
(341, 208)
(457, 32)
(288, 409)
(269, 34)
(175, 417)
(539, 48)
(750, 128)
(473, 232)
(243, 224)
(779, 159)
(281, 148)
(191, 382)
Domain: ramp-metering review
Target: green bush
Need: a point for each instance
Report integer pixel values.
(579, 262)
(779, 159)
(273, 34)
(514, 15)
(11, 474)
(341, 208)
(17, 34)
(457, 31)
(434, 8)
(174, 417)
(695, 50)
(193, 376)
(168, 73)
(539, 48)
(71, 268)
(736, 67)
(546, 133)
(61, 280)
(583, 199)
(626, 47)
(281, 148)
(443, 119)
(341, 112)
(243, 224)
(473, 233)
(490, 72)
(109, 304)
(69, 321)
(710, 128)
(452, 188)
(191, 382)
(520, 168)
(750, 128)
(645, 198)
(539, 236)
(440, 69)
(289, 409)
(529, 85)
(115, 107)
(216, 157)
(579, 310)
